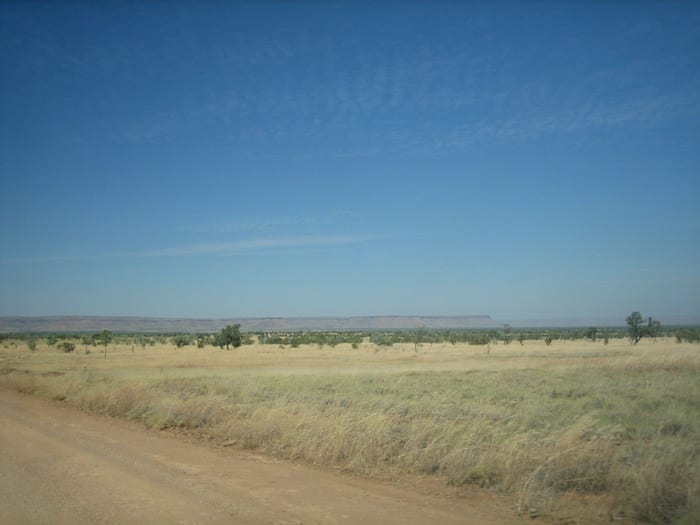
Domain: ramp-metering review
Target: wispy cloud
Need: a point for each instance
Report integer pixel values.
(256, 245)
(343, 98)
(248, 246)
(542, 122)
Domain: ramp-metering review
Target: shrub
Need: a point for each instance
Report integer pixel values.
(181, 340)
(66, 346)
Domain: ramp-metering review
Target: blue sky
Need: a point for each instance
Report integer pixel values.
(523, 160)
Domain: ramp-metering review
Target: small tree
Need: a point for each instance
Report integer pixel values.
(592, 333)
(419, 337)
(637, 330)
(104, 338)
(507, 334)
(652, 328)
(31, 343)
(634, 321)
(230, 335)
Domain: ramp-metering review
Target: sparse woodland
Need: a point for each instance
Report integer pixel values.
(589, 427)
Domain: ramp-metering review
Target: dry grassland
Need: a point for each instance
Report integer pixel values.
(575, 431)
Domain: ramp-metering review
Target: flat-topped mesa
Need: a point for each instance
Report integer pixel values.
(74, 324)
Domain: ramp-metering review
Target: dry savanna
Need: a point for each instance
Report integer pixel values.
(572, 431)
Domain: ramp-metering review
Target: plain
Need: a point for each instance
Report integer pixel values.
(577, 430)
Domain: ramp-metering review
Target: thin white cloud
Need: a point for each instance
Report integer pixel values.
(536, 124)
(256, 245)
(249, 246)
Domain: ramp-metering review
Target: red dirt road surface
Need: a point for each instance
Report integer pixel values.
(61, 466)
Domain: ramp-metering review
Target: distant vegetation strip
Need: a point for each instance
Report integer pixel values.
(378, 338)
(233, 335)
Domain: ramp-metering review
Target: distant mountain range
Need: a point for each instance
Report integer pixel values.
(262, 324)
(56, 324)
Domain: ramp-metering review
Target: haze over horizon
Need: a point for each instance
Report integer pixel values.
(214, 160)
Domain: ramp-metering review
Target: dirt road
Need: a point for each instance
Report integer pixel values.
(58, 465)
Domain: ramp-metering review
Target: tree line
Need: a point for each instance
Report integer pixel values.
(231, 336)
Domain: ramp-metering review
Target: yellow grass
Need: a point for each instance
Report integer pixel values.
(576, 430)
